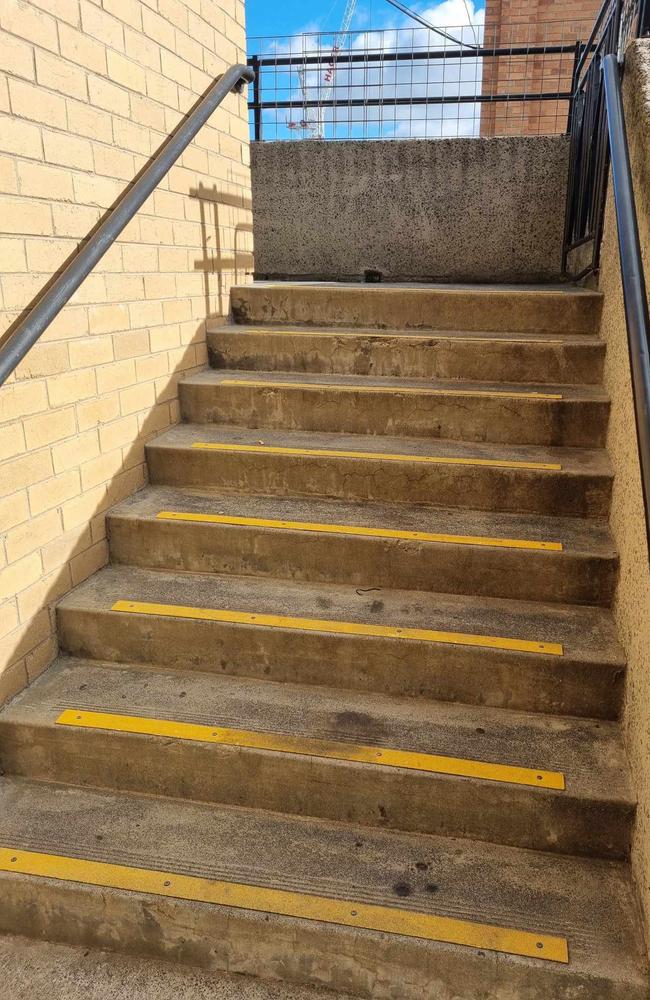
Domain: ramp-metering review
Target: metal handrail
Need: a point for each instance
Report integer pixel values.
(28, 331)
(390, 55)
(632, 276)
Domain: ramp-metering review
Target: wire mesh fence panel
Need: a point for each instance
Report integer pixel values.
(482, 79)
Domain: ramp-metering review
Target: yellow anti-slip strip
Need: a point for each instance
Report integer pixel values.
(337, 627)
(304, 906)
(262, 449)
(386, 335)
(394, 389)
(307, 747)
(352, 529)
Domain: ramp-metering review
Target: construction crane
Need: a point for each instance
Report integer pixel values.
(313, 121)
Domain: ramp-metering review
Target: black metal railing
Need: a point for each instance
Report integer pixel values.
(617, 23)
(416, 82)
(25, 334)
(632, 276)
(598, 141)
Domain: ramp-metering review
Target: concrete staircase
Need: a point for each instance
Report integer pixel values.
(343, 709)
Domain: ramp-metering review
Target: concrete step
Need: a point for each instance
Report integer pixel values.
(544, 783)
(518, 309)
(575, 359)
(566, 560)
(370, 912)
(520, 479)
(503, 413)
(562, 659)
(41, 970)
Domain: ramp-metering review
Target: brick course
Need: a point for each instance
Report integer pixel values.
(531, 22)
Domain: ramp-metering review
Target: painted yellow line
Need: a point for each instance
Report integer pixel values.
(393, 389)
(307, 747)
(386, 335)
(352, 529)
(346, 912)
(261, 449)
(337, 627)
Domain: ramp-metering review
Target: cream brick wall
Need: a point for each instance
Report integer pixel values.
(89, 89)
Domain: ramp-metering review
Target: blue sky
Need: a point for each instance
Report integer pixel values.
(288, 17)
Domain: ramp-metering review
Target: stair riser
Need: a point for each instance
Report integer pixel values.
(417, 308)
(399, 799)
(473, 487)
(364, 562)
(350, 354)
(444, 672)
(367, 964)
(510, 420)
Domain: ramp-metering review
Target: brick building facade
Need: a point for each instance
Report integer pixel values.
(518, 24)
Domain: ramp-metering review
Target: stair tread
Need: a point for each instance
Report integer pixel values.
(587, 633)
(541, 288)
(569, 393)
(590, 754)
(589, 902)
(418, 306)
(577, 535)
(37, 970)
(573, 460)
(422, 336)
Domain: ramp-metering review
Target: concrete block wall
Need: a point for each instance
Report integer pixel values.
(632, 603)
(414, 209)
(89, 89)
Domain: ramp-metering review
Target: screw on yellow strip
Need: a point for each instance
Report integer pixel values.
(307, 747)
(352, 529)
(337, 627)
(384, 335)
(262, 449)
(304, 906)
(393, 389)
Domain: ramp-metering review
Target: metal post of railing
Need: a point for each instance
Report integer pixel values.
(254, 63)
(616, 26)
(632, 276)
(644, 19)
(574, 84)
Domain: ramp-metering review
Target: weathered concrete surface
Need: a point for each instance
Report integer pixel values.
(580, 487)
(591, 816)
(583, 572)
(587, 679)
(632, 608)
(443, 209)
(506, 357)
(441, 307)
(500, 412)
(40, 970)
(587, 901)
